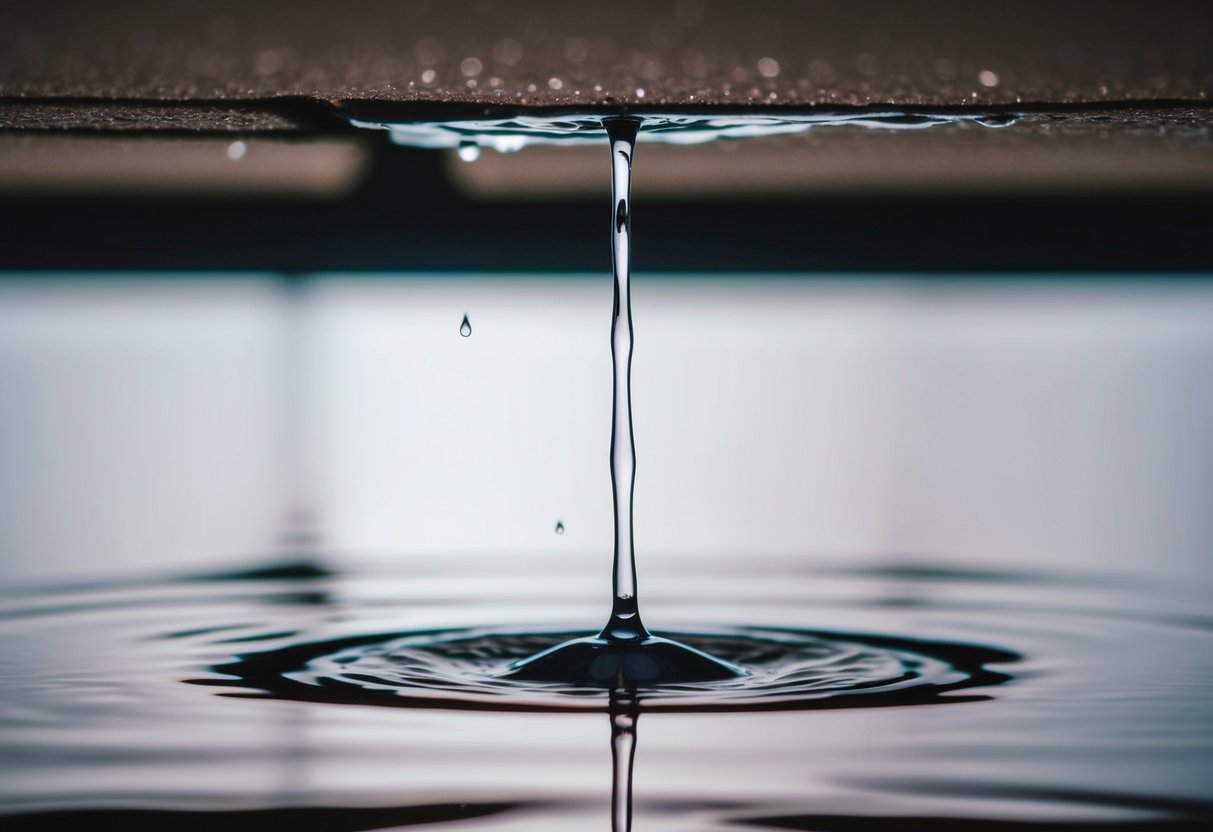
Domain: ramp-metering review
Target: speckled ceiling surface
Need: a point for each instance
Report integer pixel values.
(278, 65)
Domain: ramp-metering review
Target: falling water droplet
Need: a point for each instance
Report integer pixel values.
(465, 328)
(469, 151)
(559, 527)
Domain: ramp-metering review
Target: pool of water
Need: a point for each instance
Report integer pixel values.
(973, 512)
(129, 702)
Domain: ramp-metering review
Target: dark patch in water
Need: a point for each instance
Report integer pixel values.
(466, 669)
(294, 570)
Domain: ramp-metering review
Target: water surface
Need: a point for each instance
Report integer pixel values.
(126, 701)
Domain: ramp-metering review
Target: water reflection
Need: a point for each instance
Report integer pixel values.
(624, 716)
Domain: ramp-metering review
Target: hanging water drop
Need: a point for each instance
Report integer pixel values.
(469, 151)
(465, 328)
(559, 527)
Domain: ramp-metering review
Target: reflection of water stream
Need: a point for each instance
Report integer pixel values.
(624, 715)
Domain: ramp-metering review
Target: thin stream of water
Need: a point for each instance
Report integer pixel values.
(624, 655)
(625, 623)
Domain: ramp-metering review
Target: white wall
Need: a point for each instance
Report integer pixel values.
(1037, 424)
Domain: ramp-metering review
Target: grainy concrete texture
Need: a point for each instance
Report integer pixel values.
(242, 66)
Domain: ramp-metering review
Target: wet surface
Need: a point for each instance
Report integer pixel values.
(509, 135)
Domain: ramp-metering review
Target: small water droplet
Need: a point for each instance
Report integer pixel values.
(555, 83)
(988, 78)
(640, 92)
(236, 151)
(471, 67)
(465, 328)
(559, 527)
(428, 76)
(469, 152)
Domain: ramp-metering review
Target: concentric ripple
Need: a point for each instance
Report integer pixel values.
(470, 669)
